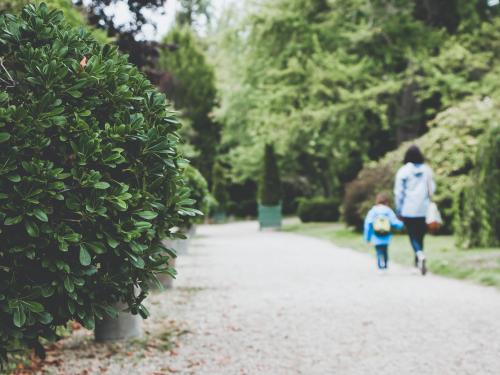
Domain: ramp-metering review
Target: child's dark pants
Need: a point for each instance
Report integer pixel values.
(382, 256)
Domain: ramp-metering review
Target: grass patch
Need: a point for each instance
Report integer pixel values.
(443, 256)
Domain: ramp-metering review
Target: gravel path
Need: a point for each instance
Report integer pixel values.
(249, 302)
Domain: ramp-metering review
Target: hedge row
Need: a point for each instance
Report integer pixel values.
(318, 209)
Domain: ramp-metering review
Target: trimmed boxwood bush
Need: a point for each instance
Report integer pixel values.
(89, 179)
(318, 209)
(270, 184)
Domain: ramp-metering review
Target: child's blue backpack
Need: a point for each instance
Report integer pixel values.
(382, 225)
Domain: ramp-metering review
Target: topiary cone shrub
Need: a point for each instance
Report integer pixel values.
(89, 179)
(270, 191)
(270, 183)
(219, 192)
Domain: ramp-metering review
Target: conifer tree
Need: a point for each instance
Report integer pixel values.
(270, 185)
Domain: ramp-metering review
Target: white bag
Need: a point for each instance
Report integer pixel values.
(433, 217)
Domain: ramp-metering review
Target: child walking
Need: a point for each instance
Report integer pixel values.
(379, 223)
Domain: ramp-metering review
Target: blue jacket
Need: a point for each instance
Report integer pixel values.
(369, 233)
(413, 188)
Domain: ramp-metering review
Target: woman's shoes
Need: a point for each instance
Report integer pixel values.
(421, 263)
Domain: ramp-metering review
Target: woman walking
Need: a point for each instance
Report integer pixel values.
(413, 190)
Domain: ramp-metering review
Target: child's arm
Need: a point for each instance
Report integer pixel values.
(395, 222)
(368, 227)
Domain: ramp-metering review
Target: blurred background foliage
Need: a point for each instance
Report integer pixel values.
(340, 88)
(75, 16)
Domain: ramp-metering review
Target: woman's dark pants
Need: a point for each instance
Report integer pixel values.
(416, 228)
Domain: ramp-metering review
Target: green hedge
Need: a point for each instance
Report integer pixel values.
(478, 221)
(318, 209)
(89, 179)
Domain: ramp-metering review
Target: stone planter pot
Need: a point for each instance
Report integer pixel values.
(166, 280)
(181, 246)
(219, 217)
(270, 216)
(125, 326)
(191, 232)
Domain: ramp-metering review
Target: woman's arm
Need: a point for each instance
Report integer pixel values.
(395, 222)
(399, 192)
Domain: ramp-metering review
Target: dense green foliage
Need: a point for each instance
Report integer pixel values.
(334, 84)
(90, 181)
(478, 219)
(73, 15)
(318, 209)
(199, 191)
(270, 183)
(191, 87)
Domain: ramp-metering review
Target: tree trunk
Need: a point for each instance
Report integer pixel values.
(410, 118)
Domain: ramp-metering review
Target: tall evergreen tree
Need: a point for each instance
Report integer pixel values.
(219, 187)
(270, 186)
(191, 87)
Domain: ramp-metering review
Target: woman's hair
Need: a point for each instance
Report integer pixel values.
(413, 155)
(382, 199)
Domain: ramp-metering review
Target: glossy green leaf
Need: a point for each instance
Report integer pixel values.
(97, 247)
(34, 306)
(75, 93)
(13, 220)
(85, 258)
(148, 215)
(101, 185)
(45, 318)
(32, 228)
(19, 317)
(40, 215)
(68, 284)
(4, 137)
(14, 178)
